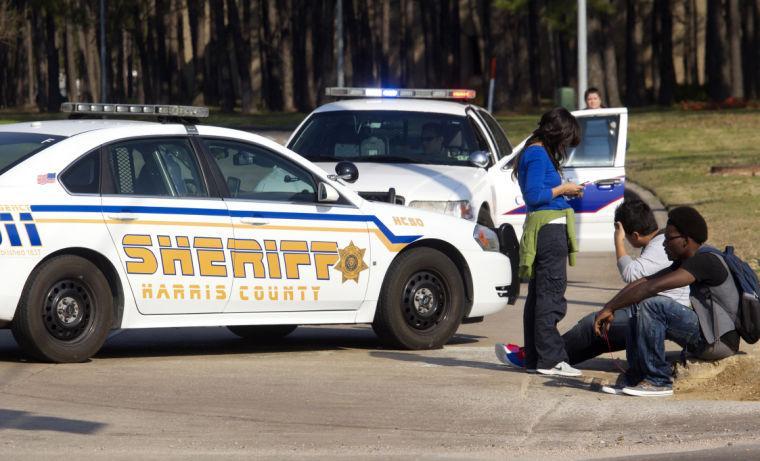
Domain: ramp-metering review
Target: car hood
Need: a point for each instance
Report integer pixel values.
(415, 181)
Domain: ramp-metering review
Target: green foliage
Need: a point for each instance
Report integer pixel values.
(513, 6)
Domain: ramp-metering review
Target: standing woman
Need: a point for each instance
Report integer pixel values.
(548, 239)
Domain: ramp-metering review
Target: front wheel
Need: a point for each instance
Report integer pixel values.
(421, 302)
(65, 312)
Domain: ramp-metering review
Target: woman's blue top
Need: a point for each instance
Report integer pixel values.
(537, 176)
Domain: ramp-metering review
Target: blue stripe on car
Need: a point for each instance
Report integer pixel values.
(231, 213)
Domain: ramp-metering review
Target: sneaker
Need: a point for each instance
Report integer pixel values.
(647, 389)
(617, 388)
(510, 355)
(560, 369)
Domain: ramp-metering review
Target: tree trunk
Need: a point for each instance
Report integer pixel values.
(734, 31)
(270, 46)
(391, 74)
(286, 27)
(691, 75)
(534, 62)
(664, 42)
(633, 81)
(242, 55)
(612, 95)
(187, 62)
(72, 74)
(251, 20)
(222, 61)
(596, 45)
(715, 52)
(146, 79)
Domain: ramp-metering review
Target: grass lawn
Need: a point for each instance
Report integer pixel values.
(670, 153)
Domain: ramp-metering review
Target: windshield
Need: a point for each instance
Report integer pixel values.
(388, 137)
(15, 147)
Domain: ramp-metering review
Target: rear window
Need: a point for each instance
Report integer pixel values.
(388, 137)
(15, 147)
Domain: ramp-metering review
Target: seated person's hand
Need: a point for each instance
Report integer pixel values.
(602, 321)
(619, 232)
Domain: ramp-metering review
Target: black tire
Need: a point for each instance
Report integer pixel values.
(484, 217)
(262, 332)
(65, 312)
(421, 301)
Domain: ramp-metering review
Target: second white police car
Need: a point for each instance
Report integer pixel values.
(437, 153)
(131, 224)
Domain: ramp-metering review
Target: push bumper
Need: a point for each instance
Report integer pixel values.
(510, 246)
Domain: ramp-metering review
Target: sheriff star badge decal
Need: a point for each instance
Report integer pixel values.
(351, 262)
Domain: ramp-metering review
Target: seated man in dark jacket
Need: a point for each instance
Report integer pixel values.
(706, 331)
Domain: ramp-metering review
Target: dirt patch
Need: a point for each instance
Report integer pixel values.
(735, 170)
(734, 378)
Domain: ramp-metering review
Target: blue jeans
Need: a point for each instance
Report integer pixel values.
(653, 321)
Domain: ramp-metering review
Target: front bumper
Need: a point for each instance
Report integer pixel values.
(489, 270)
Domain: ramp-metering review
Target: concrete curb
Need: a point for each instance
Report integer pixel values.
(648, 197)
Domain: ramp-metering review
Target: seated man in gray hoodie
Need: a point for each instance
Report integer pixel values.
(635, 222)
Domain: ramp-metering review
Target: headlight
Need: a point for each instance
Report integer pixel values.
(486, 238)
(458, 208)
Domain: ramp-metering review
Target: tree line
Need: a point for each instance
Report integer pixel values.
(279, 55)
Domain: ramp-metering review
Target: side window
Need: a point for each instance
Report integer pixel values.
(83, 176)
(502, 143)
(254, 173)
(598, 144)
(155, 167)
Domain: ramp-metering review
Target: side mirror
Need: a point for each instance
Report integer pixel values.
(479, 158)
(327, 193)
(347, 171)
(243, 158)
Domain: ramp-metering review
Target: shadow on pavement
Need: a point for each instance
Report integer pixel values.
(192, 341)
(22, 420)
(442, 361)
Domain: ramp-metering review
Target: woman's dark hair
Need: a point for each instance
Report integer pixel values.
(557, 130)
(636, 216)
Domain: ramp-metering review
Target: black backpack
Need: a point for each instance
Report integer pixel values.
(748, 321)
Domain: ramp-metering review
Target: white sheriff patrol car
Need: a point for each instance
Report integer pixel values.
(454, 158)
(132, 224)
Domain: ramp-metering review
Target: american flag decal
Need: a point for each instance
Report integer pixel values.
(46, 178)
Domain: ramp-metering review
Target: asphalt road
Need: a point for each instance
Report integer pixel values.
(335, 392)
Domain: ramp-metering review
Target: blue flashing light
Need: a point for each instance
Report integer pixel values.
(388, 93)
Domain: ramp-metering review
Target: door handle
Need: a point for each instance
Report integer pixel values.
(122, 217)
(253, 221)
(607, 183)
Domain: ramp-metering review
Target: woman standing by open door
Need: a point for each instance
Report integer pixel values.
(548, 241)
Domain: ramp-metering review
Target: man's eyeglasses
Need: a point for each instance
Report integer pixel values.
(668, 238)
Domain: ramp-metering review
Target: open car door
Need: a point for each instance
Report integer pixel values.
(599, 161)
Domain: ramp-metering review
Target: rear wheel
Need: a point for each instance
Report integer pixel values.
(262, 332)
(421, 302)
(65, 312)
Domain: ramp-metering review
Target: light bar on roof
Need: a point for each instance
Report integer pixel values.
(347, 92)
(134, 109)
